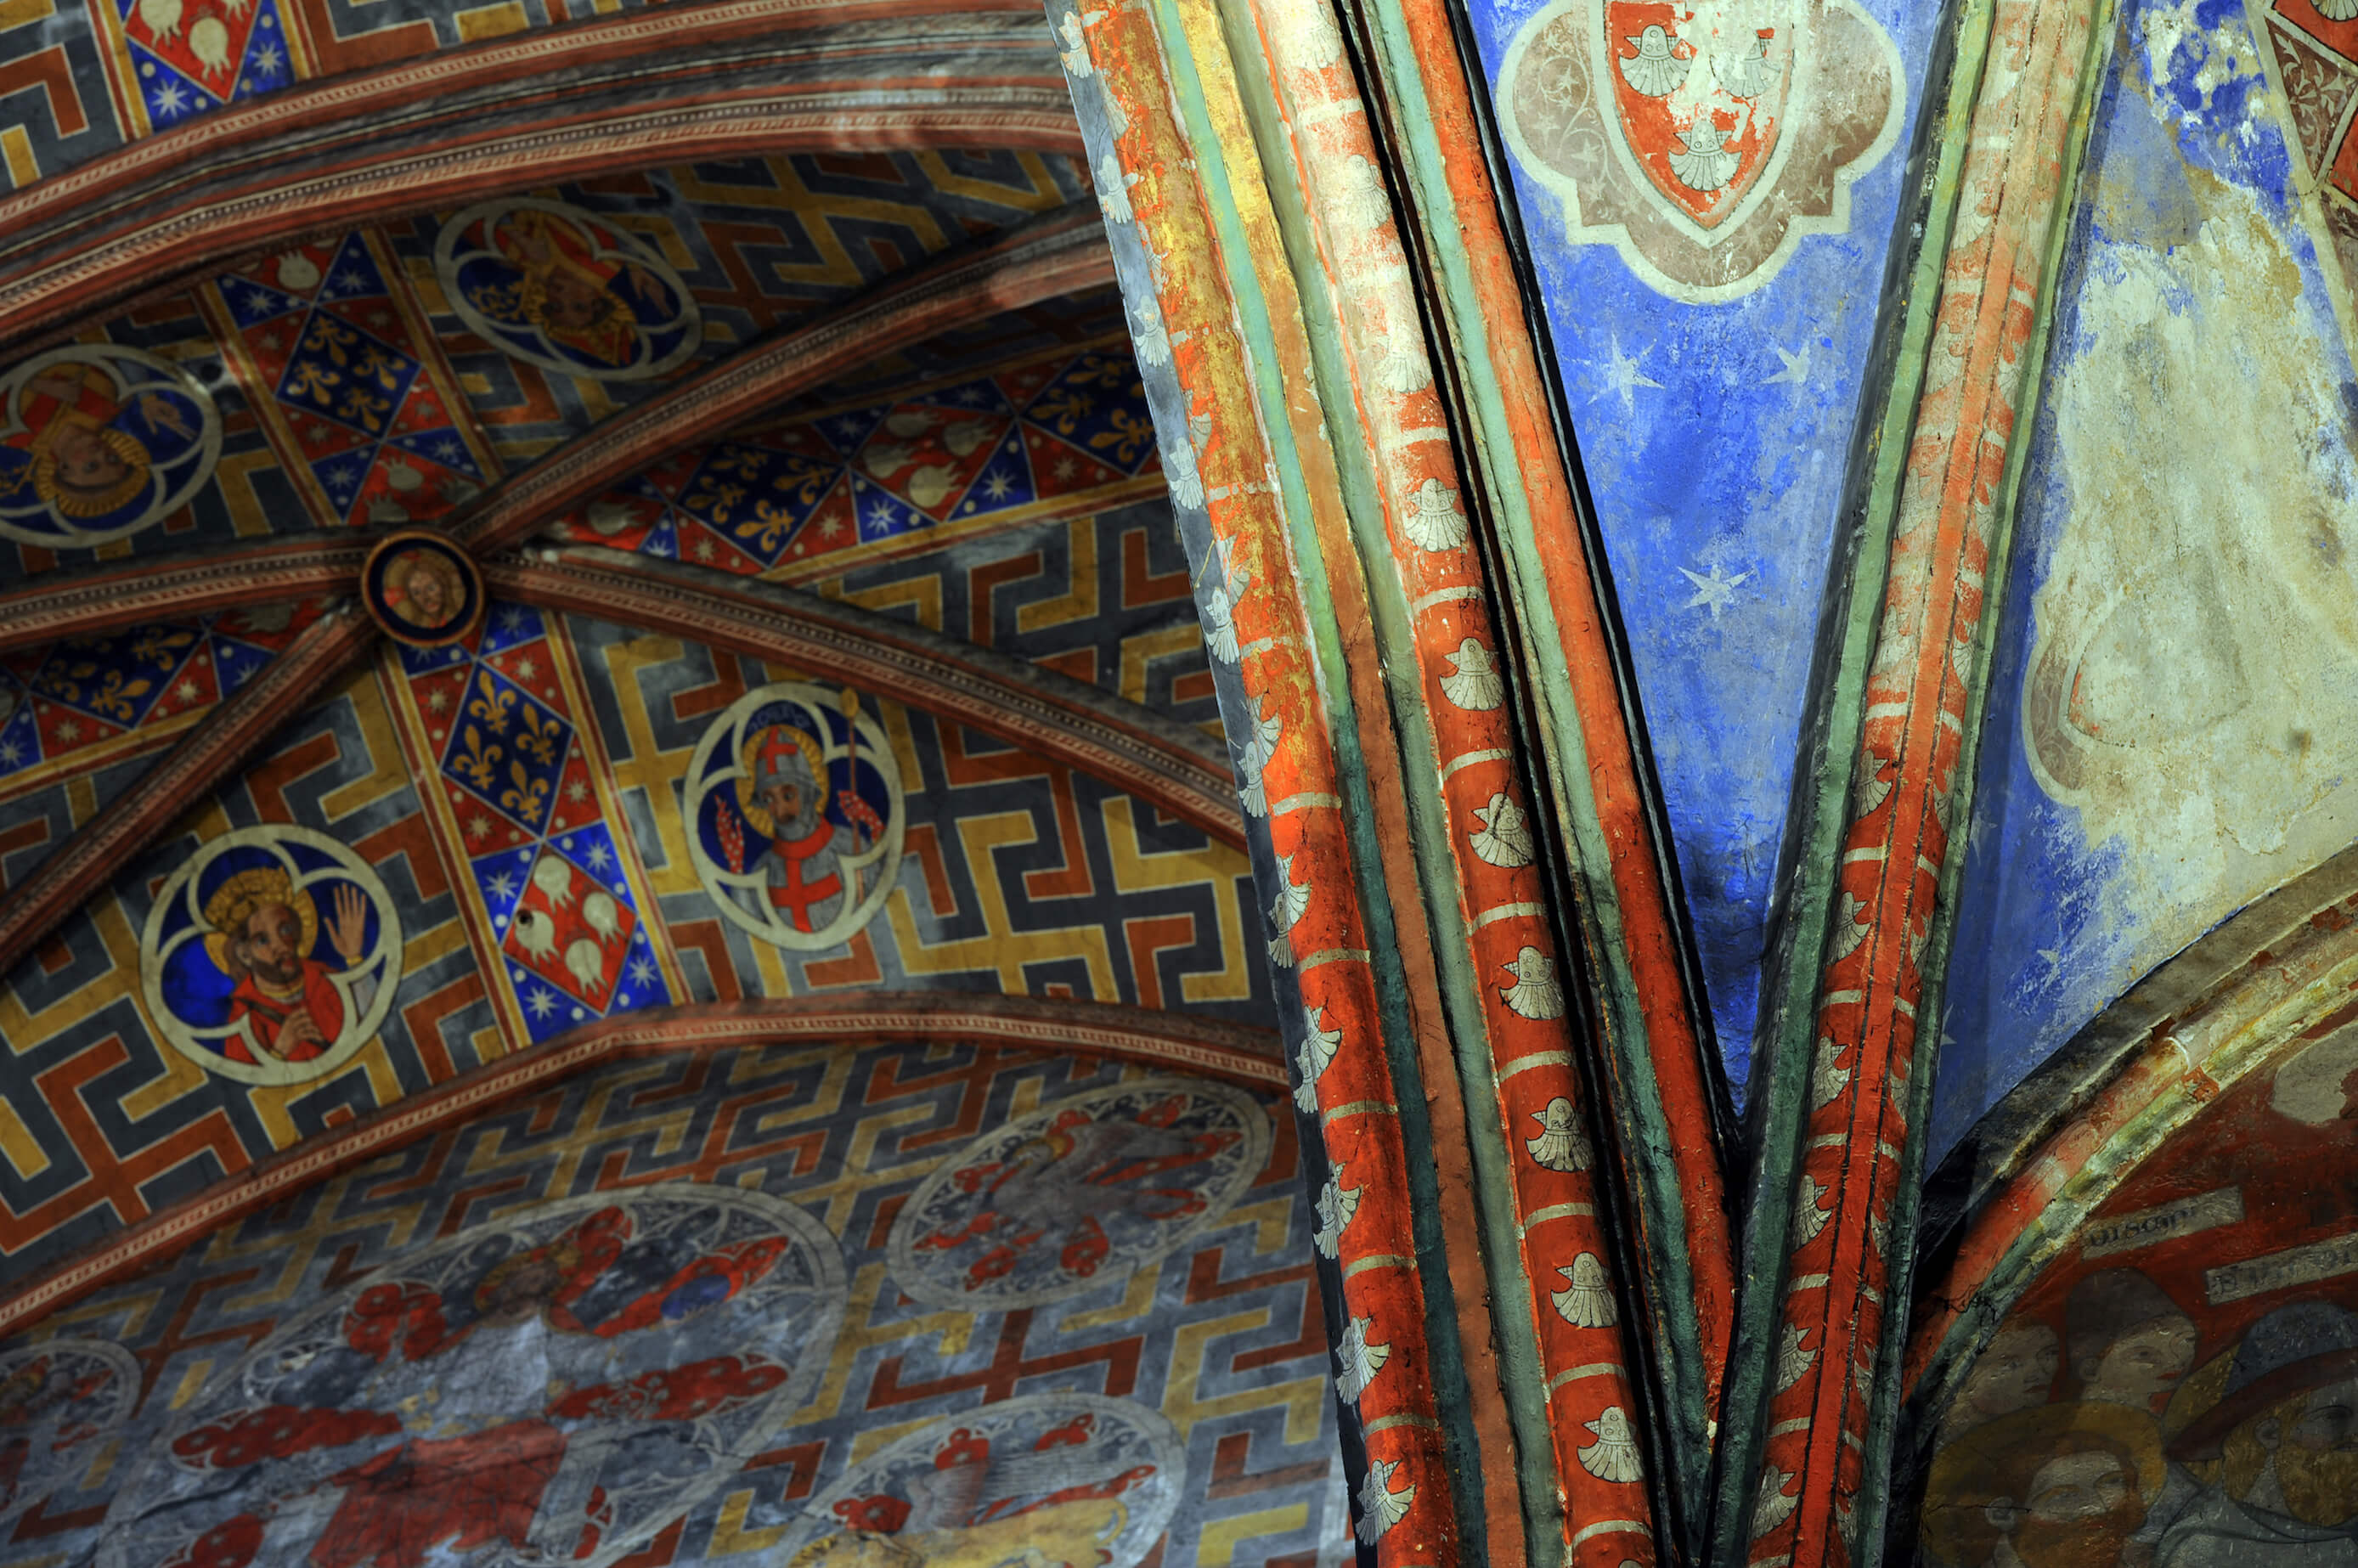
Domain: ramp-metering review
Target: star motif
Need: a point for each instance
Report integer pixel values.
(642, 972)
(526, 668)
(10, 753)
(512, 618)
(1713, 591)
(265, 60)
(1065, 467)
(540, 1002)
(576, 791)
(171, 100)
(829, 529)
(478, 826)
(349, 281)
(69, 731)
(997, 487)
(446, 451)
(879, 516)
(257, 301)
(502, 885)
(703, 551)
(598, 857)
(437, 701)
(1622, 375)
(189, 692)
(1797, 366)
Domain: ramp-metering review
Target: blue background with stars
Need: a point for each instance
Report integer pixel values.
(1715, 439)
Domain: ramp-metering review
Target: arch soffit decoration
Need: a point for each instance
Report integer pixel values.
(2250, 994)
(1218, 281)
(724, 80)
(833, 1022)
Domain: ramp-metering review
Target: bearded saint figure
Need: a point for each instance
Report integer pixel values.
(263, 931)
(782, 792)
(2286, 1436)
(2054, 1487)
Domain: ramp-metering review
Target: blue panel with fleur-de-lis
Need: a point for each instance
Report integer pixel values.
(340, 372)
(507, 748)
(1099, 405)
(119, 678)
(755, 498)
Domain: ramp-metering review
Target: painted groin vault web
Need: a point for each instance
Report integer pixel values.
(1129, 783)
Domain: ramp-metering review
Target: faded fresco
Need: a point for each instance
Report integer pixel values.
(2173, 721)
(2181, 1389)
(660, 1315)
(1709, 189)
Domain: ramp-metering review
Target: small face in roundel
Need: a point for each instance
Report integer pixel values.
(424, 589)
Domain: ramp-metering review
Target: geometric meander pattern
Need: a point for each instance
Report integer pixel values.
(762, 245)
(1018, 876)
(1213, 1340)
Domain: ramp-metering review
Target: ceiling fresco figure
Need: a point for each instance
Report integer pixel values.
(1562, 783)
(271, 955)
(799, 817)
(553, 285)
(101, 443)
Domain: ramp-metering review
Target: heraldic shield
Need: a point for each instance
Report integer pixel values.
(1705, 138)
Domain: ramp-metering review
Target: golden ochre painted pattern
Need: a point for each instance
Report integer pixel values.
(1198, 1322)
(758, 245)
(532, 775)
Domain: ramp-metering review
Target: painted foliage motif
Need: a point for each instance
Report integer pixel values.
(1056, 1202)
(553, 1387)
(564, 290)
(98, 442)
(59, 1403)
(1043, 1481)
(271, 955)
(1705, 138)
(2181, 1390)
(797, 817)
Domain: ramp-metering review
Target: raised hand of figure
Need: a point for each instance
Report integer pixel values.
(348, 931)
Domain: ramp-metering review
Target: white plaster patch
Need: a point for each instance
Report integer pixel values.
(2194, 686)
(2221, 55)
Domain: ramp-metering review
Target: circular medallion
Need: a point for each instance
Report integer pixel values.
(422, 590)
(1044, 1481)
(59, 1401)
(555, 1386)
(794, 803)
(98, 442)
(562, 288)
(271, 955)
(1088, 1187)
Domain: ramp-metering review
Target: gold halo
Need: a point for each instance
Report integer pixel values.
(234, 902)
(123, 444)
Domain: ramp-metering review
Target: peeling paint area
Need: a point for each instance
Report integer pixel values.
(2173, 716)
